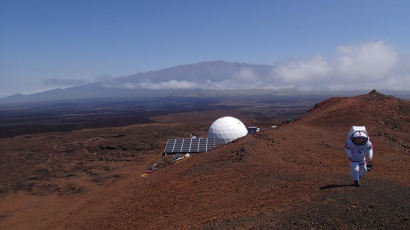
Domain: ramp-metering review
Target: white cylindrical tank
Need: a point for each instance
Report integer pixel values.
(227, 129)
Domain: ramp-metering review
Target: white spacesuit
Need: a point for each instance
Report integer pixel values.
(358, 144)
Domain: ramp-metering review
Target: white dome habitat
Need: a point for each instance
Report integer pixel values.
(227, 129)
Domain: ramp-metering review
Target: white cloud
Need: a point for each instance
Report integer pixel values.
(171, 84)
(302, 70)
(245, 75)
(374, 60)
(361, 66)
(364, 66)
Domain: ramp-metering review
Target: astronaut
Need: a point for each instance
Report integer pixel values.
(358, 144)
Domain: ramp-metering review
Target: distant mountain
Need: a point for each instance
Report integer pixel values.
(199, 79)
(89, 91)
(191, 79)
(202, 72)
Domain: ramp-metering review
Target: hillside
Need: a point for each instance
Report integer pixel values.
(373, 108)
(292, 177)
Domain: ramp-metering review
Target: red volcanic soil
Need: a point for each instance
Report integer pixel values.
(292, 177)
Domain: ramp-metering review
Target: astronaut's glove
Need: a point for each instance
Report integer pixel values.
(369, 165)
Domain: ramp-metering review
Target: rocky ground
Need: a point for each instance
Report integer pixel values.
(292, 177)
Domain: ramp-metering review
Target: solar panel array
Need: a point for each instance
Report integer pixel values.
(189, 145)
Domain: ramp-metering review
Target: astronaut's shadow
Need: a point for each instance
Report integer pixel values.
(330, 186)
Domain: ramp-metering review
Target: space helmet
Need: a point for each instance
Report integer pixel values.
(359, 138)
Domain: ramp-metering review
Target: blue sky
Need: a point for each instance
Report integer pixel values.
(84, 40)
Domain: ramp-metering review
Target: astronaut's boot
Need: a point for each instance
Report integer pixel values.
(356, 183)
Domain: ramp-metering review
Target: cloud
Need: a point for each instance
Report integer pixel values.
(302, 70)
(246, 75)
(63, 82)
(171, 84)
(363, 66)
(370, 60)
(351, 67)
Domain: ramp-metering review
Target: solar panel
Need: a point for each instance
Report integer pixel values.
(178, 145)
(194, 145)
(185, 145)
(203, 145)
(189, 145)
(170, 145)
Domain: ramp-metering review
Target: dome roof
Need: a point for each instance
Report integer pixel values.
(227, 129)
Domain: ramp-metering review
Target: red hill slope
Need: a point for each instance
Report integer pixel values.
(292, 177)
(296, 176)
(369, 109)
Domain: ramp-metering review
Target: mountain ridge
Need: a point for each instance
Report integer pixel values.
(197, 79)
